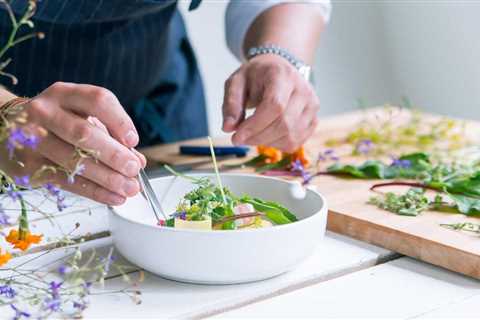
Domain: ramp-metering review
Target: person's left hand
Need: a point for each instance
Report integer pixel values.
(285, 104)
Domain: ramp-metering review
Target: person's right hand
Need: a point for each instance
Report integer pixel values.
(61, 115)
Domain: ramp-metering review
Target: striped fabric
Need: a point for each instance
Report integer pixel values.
(136, 48)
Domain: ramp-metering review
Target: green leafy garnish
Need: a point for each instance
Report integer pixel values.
(412, 203)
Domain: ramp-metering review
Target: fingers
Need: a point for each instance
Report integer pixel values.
(94, 171)
(287, 145)
(89, 189)
(83, 187)
(87, 100)
(275, 97)
(234, 101)
(82, 133)
(141, 157)
(283, 126)
(101, 126)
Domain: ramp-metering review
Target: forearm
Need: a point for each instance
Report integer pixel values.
(293, 26)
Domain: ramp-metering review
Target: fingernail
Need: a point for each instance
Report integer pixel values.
(229, 121)
(130, 187)
(132, 168)
(131, 138)
(115, 199)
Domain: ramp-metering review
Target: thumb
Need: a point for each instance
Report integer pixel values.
(234, 101)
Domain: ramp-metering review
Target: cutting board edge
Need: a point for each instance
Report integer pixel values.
(354, 227)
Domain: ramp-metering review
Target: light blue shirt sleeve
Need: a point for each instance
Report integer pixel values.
(240, 14)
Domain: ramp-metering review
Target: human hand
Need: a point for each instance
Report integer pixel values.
(62, 117)
(285, 104)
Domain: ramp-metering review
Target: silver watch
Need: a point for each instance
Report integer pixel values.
(304, 69)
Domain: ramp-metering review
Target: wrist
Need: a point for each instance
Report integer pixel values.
(270, 49)
(12, 107)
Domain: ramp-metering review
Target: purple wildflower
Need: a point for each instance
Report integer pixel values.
(12, 193)
(63, 269)
(18, 313)
(52, 304)
(79, 169)
(23, 181)
(364, 146)
(180, 214)
(18, 138)
(4, 218)
(328, 154)
(80, 305)
(404, 164)
(55, 288)
(7, 291)
(56, 192)
(297, 166)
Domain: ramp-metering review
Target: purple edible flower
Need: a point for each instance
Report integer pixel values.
(18, 313)
(364, 146)
(52, 304)
(23, 181)
(181, 215)
(18, 137)
(55, 288)
(297, 166)
(63, 269)
(12, 193)
(79, 169)
(7, 291)
(405, 164)
(328, 154)
(4, 218)
(56, 192)
(79, 305)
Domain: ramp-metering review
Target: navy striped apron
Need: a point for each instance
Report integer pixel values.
(136, 48)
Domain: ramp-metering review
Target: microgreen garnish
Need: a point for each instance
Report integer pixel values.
(403, 129)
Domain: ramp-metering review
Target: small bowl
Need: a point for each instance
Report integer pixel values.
(219, 256)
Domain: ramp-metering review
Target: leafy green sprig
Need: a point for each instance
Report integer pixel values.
(460, 182)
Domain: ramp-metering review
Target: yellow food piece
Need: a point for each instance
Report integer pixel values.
(193, 225)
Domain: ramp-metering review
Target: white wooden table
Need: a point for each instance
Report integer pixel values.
(343, 278)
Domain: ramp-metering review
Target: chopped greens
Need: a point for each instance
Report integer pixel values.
(216, 203)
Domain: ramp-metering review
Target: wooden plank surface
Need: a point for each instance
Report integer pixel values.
(400, 289)
(336, 256)
(420, 237)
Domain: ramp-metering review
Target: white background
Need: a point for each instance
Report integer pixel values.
(377, 51)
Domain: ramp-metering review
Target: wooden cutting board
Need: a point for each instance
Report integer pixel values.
(419, 237)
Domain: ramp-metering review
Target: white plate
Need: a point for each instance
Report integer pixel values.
(219, 257)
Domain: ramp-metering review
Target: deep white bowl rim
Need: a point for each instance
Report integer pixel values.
(283, 226)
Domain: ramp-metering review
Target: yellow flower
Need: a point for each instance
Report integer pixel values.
(22, 240)
(4, 258)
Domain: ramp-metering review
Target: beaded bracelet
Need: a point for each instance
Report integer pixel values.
(13, 106)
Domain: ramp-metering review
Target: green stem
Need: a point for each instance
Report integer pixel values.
(215, 166)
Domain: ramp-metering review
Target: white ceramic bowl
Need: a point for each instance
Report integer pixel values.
(219, 257)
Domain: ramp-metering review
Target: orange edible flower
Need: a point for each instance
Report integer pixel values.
(301, 155)
(4, 258)
(271, 154)
(22, 240)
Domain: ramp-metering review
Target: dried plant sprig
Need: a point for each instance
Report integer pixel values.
(13, 38)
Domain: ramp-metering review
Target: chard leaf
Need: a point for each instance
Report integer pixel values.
(466, 205)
